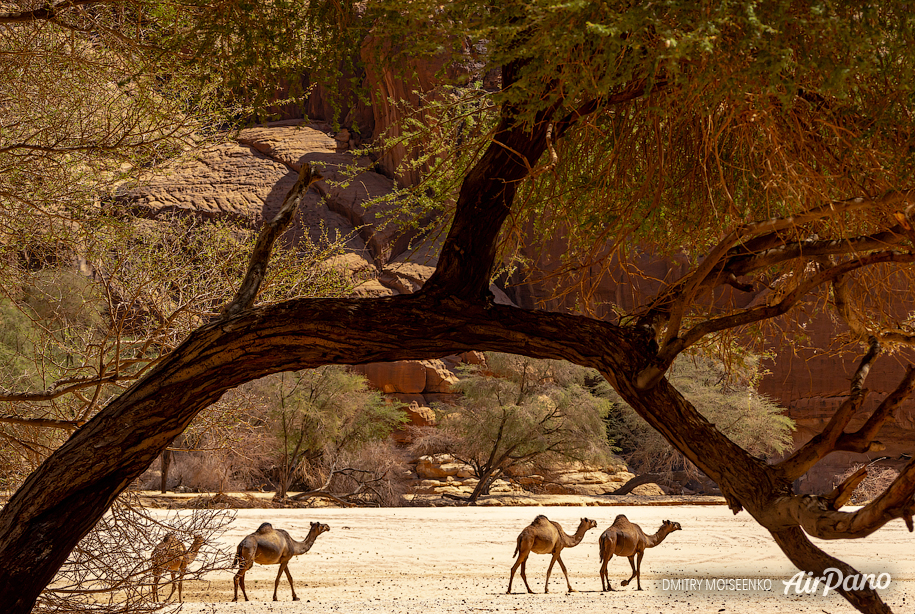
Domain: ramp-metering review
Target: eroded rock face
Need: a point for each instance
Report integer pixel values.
(246, 182)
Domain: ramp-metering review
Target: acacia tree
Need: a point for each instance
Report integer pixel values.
(767, 141)
(321, 414)
(523, 410)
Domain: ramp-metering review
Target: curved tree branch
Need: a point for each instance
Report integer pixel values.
(825, 441)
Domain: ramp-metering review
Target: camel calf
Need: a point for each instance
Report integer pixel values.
(169, 555)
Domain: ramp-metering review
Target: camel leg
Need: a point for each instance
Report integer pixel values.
(521, 557)
(155, 588)
(546, 588)
(524, 576)
(289, 577)
(239, 580)
(604, 575)
(279, 574)
(631, 564)
(171, 592)
(566, 574)
(638, 571)
(180, 582)
(606, 553)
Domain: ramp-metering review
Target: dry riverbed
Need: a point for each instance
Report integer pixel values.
(451, 559)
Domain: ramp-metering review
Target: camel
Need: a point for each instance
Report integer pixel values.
(170, 555)
(626, 539)
(269, 546)
(544, 536)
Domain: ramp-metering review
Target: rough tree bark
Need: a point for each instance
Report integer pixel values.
(69, 492)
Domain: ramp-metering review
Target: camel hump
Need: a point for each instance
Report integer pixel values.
(620, 519)
(265, 528)
(541, 518)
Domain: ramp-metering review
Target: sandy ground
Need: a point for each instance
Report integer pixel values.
(405, 560)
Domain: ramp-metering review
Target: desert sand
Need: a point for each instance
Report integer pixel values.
(452, 559)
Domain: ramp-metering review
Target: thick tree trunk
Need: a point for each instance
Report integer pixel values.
(482, 487)
(807, 557)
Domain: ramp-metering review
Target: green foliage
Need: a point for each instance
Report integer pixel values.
(746, 110)
(523, 410)
(320, 414)
(731, 403)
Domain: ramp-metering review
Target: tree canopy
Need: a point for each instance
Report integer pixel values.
(768, 143)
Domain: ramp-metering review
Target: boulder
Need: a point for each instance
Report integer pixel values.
(428, 468)
(286, 141)
(420, 416)
(407, 376)
(439, 379)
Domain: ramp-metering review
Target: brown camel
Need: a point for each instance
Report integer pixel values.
(269, 546)
(170, 555)
(626, 539)
(544, 536)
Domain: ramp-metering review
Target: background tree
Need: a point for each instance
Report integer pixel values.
(518, 410)
(769, 144)
(320, 418)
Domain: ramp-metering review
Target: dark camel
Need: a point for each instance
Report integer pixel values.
(169, 555)
(626, 539)
(269, 546)
(544, 536)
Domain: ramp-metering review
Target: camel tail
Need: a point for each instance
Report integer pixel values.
(239, 557)
(517, 547)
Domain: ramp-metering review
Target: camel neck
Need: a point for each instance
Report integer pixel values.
(657, 538)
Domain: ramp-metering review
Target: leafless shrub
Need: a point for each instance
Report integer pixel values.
(372, 475)
(429, 440)
(110, 572)
(877, 481)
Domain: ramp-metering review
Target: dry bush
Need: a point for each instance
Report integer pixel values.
(875, 484)
(375, 474)
(109, 572)
(226, 448)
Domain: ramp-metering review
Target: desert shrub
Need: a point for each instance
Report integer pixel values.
(320, 419)
(877, 481)
(374, 474)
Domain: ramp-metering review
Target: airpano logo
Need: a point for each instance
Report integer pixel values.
(833, 579)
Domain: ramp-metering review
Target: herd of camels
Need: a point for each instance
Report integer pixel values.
(269, 546)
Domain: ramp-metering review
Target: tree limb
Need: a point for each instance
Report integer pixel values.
(260, 256)
(825, 441)
(817, 516)
(862, 440)
(67, 425)
(808, 557)
(652, 373)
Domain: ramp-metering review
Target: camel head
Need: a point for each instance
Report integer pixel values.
(317, 528)
(669, 527)
(587, 524)
(198, 541)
